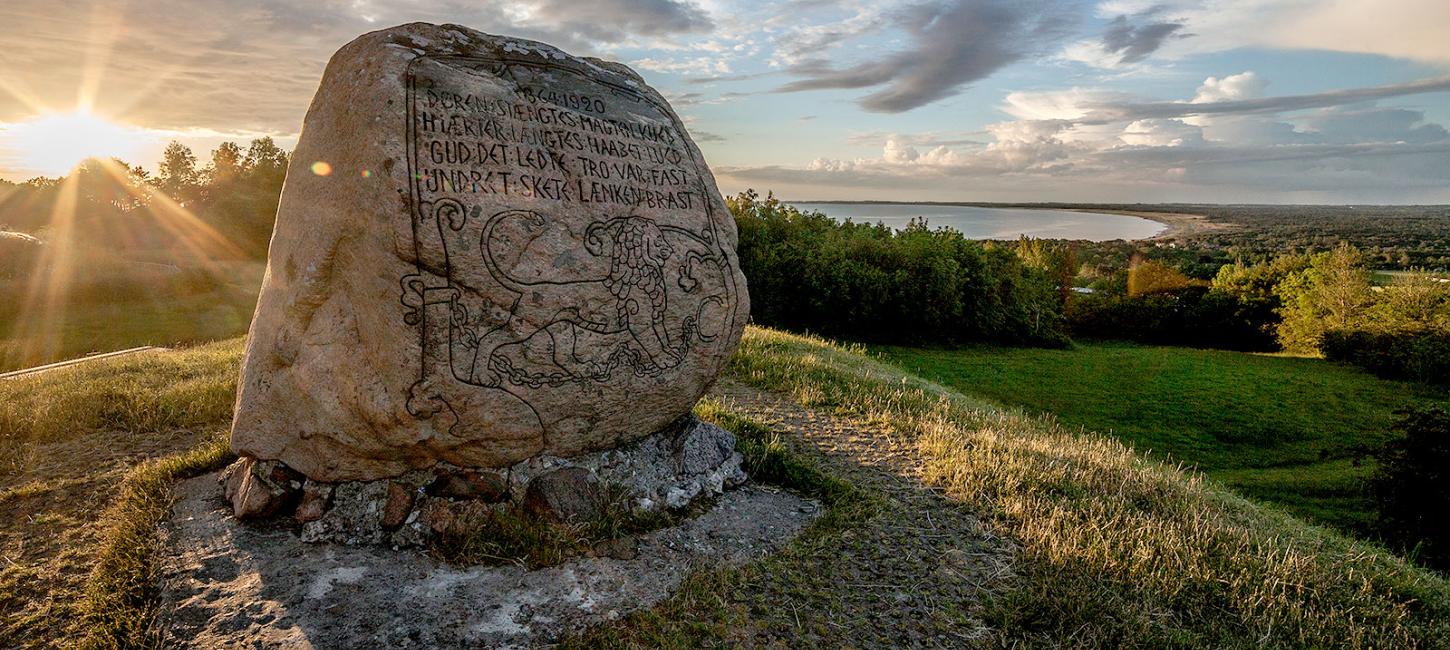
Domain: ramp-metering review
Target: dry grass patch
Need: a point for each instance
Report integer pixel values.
(68, 441)
(728, 607)
(148, 392)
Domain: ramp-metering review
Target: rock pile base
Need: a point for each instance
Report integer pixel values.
(671, 469)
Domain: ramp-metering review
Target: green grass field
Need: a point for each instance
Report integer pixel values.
(1279, 429)
(125, 312)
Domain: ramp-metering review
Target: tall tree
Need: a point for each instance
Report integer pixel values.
(1333, 293)
(266, 160)
(227, 165)
(177, 175)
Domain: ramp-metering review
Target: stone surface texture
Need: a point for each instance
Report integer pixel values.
(232, 585)
(686, 461)
(487, 250)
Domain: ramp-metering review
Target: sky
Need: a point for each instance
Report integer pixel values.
(1222, 101)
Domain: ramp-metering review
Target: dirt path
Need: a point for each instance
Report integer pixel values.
(912, 575)
(49, 530)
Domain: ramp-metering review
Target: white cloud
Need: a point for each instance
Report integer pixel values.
(1071, 104)
(1343, 146)
(704, 65)
(1028, 130)
(1245, 85)
(896, 152)
(1091, 52)
(1161, 133)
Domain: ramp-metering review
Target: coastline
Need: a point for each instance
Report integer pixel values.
(1177, 224)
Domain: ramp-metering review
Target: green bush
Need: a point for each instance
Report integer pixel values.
(18, 253)
(1418, 354)
(1192, 316)
(807, 272)
(1412, 486)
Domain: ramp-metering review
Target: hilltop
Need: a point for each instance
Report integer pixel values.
(986, 524)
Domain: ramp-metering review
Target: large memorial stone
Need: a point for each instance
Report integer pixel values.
(487, 251)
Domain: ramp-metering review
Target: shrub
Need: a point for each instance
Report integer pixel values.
(1411, 485)
(1192, 316)
(1419, 354)
(1152, 276)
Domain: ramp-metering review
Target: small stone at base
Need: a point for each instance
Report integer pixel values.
(568, 495)
(395, 511)
(261, 488)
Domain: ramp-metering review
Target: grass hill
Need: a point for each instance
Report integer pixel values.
(119, 302)
(1111, 548)
(1285, 430)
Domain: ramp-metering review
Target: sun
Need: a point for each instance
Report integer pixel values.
(53, 143)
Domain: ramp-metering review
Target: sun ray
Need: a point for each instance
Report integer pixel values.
(200, 240)
(107, 26)
(42, 316)
(14, 87)
(65, 259)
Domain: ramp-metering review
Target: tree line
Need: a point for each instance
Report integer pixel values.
(808, 272)
(1325, 302)
(224, 207)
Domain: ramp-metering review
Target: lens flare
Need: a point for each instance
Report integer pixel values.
(321, 168)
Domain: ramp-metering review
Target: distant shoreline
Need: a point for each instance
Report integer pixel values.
(1175, 224)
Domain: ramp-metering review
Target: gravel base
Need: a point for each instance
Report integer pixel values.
(232, 585)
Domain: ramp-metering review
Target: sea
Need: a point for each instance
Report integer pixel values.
(995, 223)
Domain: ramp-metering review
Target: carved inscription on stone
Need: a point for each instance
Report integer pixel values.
(566, 246)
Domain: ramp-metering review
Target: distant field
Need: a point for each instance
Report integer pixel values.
(1280, 429)
(133, 306)
(1388, 277)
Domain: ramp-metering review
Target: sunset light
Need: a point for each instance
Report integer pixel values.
(53, 143)
(822, 323)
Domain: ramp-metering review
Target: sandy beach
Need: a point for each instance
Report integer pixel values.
(1179, 224)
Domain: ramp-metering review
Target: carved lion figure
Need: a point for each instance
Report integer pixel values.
(631, 298)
